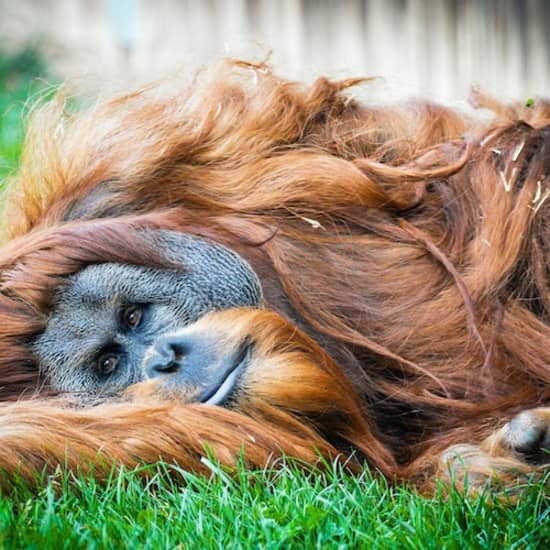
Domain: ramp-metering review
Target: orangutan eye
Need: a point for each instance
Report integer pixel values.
(131, 316)
(107, 363)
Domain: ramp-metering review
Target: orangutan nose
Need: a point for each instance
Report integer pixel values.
(165, 356)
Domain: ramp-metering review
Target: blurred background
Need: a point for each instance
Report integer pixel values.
(434, 48)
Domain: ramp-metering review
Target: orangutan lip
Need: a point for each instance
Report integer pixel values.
(222, 389)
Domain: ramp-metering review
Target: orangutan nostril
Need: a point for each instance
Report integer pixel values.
(172, 366)
(179, 352)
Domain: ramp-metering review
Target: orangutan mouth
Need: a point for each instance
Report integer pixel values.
(232, 371)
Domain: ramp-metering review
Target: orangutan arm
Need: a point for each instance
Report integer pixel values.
(40, 435)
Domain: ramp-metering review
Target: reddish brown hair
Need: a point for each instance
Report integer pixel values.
(410, 242)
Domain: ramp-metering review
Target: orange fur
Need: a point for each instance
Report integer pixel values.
(410, 243)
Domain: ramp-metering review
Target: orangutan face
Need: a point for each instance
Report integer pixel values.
(105, 319)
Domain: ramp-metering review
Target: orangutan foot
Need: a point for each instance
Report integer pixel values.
(527, 436)
(518, 451)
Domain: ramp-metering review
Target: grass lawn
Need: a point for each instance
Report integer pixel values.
(287, 509)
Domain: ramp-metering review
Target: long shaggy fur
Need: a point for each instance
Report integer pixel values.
(410, 242)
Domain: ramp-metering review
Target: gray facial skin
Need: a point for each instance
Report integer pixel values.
(194, 367)
(92, 344)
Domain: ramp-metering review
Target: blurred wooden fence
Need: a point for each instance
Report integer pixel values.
(430, 47)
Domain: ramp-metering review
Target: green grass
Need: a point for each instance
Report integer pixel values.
(22, 77)
(289, 509)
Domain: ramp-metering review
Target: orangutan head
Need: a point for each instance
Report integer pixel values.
(104, 317)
